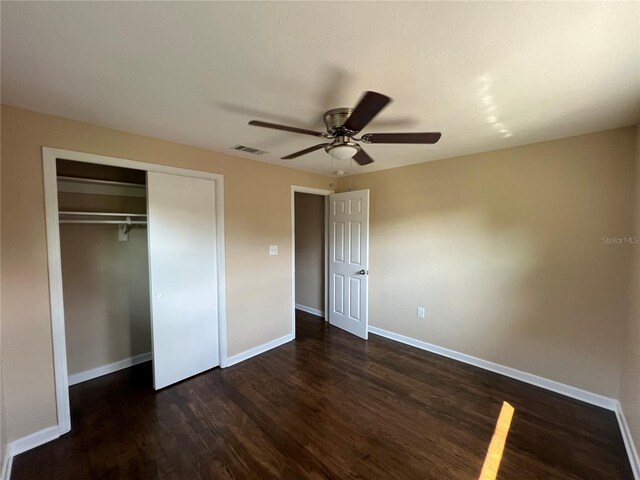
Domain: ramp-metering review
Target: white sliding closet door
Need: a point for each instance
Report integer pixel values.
(183, 272)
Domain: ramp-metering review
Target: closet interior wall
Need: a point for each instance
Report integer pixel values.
(309, 252)
(105, 280)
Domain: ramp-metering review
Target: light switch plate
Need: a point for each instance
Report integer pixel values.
(273, 249)
(420, 312)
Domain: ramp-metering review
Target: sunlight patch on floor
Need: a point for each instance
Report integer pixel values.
(498, 441)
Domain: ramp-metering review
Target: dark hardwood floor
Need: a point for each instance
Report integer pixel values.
(328, 405)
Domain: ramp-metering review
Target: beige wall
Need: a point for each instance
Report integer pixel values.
(105, 285)
(309, 221)
(630, 383)
(504, 250)
(257, 214)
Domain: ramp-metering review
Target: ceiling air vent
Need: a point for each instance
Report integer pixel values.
(244, 148)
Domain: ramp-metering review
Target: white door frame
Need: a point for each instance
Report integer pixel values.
(49, 157)
(313, 191)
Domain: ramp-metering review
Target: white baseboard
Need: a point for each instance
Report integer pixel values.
(629, 444)
(7, 462)
(257, 350)
(106, 369)
(26, 443)
(312, 311)
(561, 388)
(32, 441)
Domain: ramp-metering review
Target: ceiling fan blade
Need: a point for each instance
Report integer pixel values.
(275, 126)
(422, 137)
(305, 151)
(368, 107)
(362, 158)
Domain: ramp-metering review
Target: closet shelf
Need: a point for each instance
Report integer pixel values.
(101, 187)
(92, 181)
(104, 214)
(106, 222)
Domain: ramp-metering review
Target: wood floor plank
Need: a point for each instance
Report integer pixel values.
(326, 406)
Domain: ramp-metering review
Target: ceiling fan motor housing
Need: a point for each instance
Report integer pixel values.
(335, 118)
(342, 147)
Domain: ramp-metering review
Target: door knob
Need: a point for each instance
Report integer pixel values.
(362, 272)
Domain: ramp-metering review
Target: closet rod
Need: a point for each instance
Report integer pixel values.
(105, 214)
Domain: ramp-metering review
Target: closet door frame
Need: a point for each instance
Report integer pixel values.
(49, 157)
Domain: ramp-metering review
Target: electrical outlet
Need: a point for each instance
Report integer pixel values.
(273, 249)
(420, 312)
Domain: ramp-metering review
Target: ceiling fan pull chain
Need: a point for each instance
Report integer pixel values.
(350, 173)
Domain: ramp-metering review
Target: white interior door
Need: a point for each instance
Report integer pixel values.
(349, 261)
(183, 271)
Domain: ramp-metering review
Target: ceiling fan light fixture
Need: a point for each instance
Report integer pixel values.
(342, 152)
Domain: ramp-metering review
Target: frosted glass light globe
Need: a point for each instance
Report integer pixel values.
(343, 152)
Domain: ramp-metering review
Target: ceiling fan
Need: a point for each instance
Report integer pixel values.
(344, 123)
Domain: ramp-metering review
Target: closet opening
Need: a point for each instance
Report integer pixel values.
(102, 213)
(136, 271)
(310, 249)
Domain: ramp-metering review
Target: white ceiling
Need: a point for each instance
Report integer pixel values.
(196, 73)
